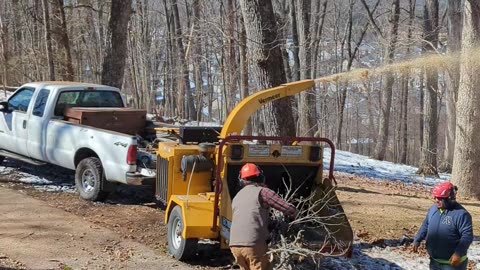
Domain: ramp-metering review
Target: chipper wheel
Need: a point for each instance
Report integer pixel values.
(181, 248)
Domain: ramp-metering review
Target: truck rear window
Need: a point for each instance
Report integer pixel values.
(84, 98)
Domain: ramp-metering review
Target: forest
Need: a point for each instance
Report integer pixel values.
(195, 60)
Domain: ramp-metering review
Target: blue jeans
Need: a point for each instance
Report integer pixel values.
(434, 265)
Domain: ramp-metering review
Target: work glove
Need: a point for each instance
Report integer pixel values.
(455, 260)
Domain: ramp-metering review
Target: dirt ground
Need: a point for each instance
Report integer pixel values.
(378, 212)
(385, 210)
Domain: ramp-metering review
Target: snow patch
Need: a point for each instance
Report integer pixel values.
(379, 170)
(376, 258)
(46, 178)
(4, 95)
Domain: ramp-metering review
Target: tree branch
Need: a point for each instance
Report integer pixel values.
(372, 20)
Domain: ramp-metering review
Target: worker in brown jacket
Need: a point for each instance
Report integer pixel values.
(249, 232)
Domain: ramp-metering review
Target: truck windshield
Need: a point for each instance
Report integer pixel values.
(82, 98)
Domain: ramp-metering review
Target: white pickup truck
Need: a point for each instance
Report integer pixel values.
(33, 129)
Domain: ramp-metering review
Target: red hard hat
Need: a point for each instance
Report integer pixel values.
(249, 170)
(443, 190)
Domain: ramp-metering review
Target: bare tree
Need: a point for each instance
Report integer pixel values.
(306, 107)
(185, 94)
(244, 71)
(295, 42)
(282, 10)
(197, 57)
(381, 147)
(351, 52)
(169, 79)
(59, 28)
(116, 54)
(48, 40)
(452, 79)
(428, 160)
(266, 57)
(317, 34)
(231, 55)
(467, 147)
(5, 49)
(405, 88)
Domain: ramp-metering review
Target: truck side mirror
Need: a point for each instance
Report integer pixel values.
(4, 106)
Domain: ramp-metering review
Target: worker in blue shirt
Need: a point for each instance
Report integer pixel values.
(447, 230)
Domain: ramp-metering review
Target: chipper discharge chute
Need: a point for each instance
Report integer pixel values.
(197, 177)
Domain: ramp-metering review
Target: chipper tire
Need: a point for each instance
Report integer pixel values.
(89, 179)
(182, 249)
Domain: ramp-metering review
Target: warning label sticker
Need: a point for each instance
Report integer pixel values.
(258, 150)
(292, 151)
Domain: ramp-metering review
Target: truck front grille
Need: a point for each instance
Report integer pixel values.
(162, 180)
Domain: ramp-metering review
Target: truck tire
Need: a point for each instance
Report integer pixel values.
(1, 159)
(181, 248)
(89, 179)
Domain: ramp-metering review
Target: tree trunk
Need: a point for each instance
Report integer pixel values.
(48, 40)
(295, 44)
(64, 55)
(188, 108)
(283, 19)
(197, 58)
(451, 80)
(134, 76)
(421, 101)
(319, 23)
(341, 110)
(381, 146)
(406, 85)
(231, 56)
(5, 52)
(404, 119)
(261, 29)
(244, 72)
(428, 159)
(116, 53)
(170, 80)
(398, 121)
(306, 103)
(466, 160)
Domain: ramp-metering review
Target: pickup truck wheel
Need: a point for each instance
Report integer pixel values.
(181, 248)
(89, 179)
(1, 159)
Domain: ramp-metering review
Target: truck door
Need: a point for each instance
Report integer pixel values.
(15, 121)
(37, 127)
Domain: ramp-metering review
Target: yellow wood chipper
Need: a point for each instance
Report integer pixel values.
(197, 177)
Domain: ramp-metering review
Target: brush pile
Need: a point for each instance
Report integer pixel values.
(314, 234)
